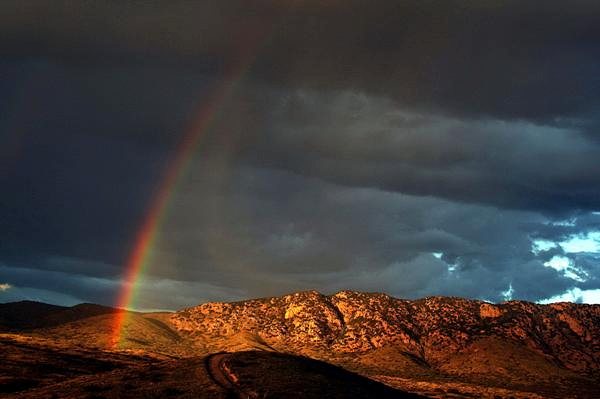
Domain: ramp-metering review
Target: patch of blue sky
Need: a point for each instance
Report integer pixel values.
(575, 295)
(508, 294)
(539, 246)
(589, 242)
(439, 255)
(567, 268)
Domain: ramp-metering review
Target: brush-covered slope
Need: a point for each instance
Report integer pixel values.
(236, 375)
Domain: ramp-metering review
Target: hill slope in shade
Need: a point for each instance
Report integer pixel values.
(42, 370)
(438, 347)
(29, 314)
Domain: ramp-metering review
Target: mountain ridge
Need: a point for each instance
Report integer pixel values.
(434, 346)
(351, 321)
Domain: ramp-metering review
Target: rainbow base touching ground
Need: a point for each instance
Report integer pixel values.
(206, 114)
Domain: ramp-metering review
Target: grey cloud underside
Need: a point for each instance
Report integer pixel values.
(364, 137)
(307, 233)
(355, 139)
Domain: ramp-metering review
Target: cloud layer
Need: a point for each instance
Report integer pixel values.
(416, 148)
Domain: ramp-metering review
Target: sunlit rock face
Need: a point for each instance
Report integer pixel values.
(305, 318)
(432, 329)
(489, 310)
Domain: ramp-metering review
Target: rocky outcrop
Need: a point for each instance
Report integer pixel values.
(306, 318)
(431, 329)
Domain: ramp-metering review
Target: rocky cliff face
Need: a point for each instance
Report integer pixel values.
(431, 330)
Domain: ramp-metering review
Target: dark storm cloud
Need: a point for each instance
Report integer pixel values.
(234, 231)
(488, 139)
(75, 193)
(275, 232)
(79, 155)
(59, 283)
(416, 148)
(507, 59)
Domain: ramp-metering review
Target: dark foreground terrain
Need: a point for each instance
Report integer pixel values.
(304, 345)
(34, 369)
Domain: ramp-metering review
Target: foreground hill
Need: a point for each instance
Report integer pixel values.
(438, 347)
(36, 369)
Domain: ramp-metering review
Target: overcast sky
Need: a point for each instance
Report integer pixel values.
(415, 148)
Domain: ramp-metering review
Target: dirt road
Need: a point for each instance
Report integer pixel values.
(217, 370)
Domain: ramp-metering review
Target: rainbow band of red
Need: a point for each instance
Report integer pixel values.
(184, 152)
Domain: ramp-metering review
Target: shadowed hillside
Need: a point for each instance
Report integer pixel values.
(29, 314)
(40, 370)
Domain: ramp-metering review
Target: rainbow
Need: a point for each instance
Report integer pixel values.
(206, 113)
